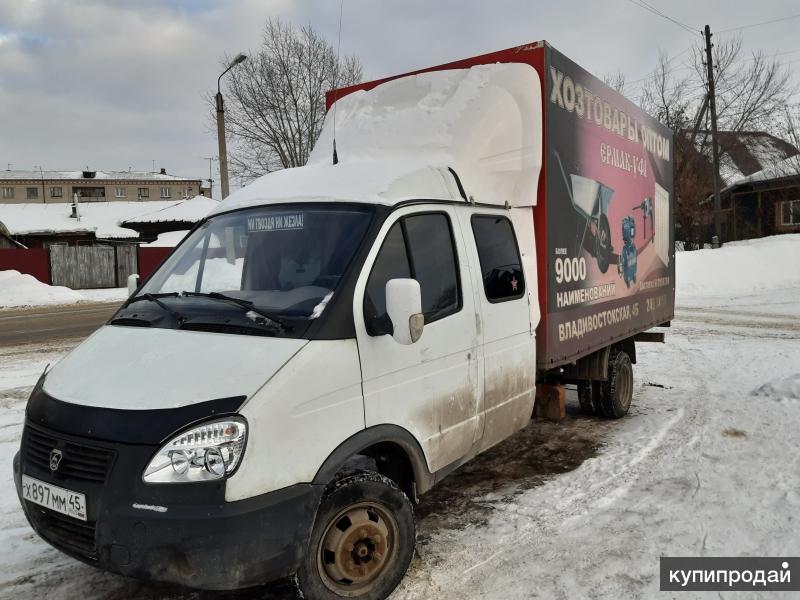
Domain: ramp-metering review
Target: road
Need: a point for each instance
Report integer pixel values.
(47, 323)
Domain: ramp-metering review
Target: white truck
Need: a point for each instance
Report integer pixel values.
(335, 339)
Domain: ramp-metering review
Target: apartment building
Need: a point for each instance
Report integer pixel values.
(94, 186)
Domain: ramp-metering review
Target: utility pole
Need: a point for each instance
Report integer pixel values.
(41, 174)
(210, 179)
(712, 104)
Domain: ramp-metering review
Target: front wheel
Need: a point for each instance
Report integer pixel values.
(362, 541)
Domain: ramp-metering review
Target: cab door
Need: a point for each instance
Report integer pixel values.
(509, 314)
(433, 387)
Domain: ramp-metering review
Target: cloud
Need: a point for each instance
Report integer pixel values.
(119, 83)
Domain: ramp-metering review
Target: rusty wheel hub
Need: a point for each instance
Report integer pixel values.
(357, 546)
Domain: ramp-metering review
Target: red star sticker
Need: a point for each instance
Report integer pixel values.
(514, 283)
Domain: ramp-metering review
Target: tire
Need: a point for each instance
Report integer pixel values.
(589, 397)
(602, 244)
(362, 541)
(616, 392)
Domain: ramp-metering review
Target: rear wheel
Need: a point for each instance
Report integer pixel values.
(616, 392)
(362, 542)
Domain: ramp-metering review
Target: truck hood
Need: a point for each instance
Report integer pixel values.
(138, 368)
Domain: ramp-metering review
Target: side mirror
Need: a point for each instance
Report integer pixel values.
(133, 283)
(404, 307)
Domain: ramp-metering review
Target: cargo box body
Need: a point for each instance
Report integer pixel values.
(604, 220)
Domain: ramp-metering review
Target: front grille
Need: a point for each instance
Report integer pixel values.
(79, 462)
(65, 532)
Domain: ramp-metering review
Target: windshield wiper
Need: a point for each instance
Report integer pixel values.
(258, 316)
(155, 299)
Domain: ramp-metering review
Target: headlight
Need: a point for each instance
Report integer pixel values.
(204, 453)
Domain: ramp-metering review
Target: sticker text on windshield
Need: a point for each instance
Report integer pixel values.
(275, 222)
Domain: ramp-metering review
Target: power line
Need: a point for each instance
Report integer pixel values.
(668, 71)
(655, 11)
(759, 24)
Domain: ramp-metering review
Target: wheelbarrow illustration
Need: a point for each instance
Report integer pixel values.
(590, 198)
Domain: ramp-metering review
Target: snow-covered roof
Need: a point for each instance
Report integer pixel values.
(788, 167)
(743, 153)
(185, 211)
(98, 175)
(100, 218)
(397, 141)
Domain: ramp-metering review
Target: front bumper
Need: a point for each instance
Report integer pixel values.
(179, 533)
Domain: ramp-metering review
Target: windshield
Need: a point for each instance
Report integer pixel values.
(283, 261)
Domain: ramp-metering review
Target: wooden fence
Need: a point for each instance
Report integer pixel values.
(84, 267)
(90, 267)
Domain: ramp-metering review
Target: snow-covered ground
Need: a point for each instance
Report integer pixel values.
(19, 290)
(706, 464)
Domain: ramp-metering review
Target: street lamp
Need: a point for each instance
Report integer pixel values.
(223, 152)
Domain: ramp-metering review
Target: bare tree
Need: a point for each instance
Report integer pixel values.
(751, 93)
(616, 81)
(275, 103)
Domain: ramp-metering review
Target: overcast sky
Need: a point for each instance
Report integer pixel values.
(118, 84)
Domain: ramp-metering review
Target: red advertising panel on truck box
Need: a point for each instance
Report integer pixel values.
(609, 216)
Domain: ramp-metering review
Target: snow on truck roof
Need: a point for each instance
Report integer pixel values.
(397, 141)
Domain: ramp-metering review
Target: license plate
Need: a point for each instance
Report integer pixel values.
(53, 497)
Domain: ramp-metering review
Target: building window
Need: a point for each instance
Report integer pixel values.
(144, 193)
(790, 212)
(166, 192)
(56, 192)
(501, 266)
(32, 193)
(8, 192)
(119, 192)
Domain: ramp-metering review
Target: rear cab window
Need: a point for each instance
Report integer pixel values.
(498, 252)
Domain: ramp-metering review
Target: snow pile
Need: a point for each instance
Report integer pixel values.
(740, 268)
(397, 141)
(167, 240)
(17, 289)
(787, 388)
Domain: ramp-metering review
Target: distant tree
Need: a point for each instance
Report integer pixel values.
(275, 100)
(751, 95)
(616, 81)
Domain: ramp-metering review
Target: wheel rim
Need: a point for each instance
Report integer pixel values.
(356, 548)
(625, 387)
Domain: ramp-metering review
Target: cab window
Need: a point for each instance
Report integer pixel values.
(420, 247)
(501, 267)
